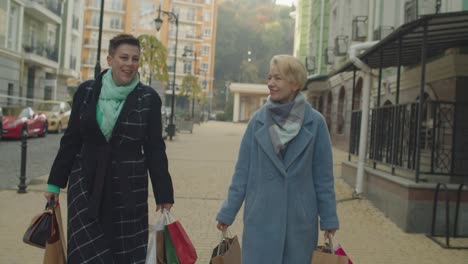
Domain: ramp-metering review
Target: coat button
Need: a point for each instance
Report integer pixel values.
(270, 176)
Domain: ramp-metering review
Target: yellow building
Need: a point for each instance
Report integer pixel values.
(196, 32)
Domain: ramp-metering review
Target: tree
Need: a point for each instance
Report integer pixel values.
(258, 26)
(153, 59)
(191, 88)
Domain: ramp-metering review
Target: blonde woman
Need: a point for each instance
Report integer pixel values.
(284, 174)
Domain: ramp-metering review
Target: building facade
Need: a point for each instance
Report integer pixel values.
(36, 55)
(196, 40)
(401, 112)
(196, 33)
(114, 23)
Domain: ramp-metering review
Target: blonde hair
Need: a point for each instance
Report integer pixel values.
(291, 68)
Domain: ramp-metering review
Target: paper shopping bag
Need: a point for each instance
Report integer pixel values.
(320, 257)
(169, 249)
(338, 249)
(160, 254)
(227, 252)
(56, 246)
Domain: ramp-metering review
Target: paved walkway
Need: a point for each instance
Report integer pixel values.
(201, 165)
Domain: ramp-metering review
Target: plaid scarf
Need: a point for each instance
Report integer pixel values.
(287, 121)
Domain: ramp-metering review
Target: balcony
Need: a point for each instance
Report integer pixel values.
(88, 63)
(41, 54)
(382, 31)
(190, 2)
(90, 42)
(45, 10)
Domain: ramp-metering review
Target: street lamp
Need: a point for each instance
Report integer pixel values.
(97, 68)
(171, 128)
(187, 52)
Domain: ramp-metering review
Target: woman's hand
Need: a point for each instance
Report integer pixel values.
(222, 226)
(166, 206)
(328, 233)
(55, 196)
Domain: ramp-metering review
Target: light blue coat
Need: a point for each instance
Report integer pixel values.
(284, 199)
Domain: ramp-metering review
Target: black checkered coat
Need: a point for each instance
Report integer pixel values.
(107, 181)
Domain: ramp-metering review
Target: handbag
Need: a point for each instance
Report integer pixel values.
(43, 227)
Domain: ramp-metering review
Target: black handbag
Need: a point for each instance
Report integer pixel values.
(43, 228)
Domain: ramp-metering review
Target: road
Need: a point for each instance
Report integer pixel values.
(40, 155)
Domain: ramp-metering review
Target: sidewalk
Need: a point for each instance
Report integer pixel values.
(201, 165)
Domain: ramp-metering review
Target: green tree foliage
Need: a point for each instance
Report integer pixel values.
(190, 87)
(153, 59)
(258, 26)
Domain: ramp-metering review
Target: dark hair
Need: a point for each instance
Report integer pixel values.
(120, 39)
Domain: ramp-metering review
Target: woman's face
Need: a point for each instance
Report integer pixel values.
(124, 63)
(281, 89)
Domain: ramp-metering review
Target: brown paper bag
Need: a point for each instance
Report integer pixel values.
(160, 247)
(231, 256)
(320, 257)
(55, 252)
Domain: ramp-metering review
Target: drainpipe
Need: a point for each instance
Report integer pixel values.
(320, 48)
(353, 53)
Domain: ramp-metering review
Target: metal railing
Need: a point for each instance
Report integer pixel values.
(393, 135)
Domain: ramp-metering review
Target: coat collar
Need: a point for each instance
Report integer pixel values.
(295, 147)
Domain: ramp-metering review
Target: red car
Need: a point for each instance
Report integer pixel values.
(18, 121)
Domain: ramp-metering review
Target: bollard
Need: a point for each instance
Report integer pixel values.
(24, 147)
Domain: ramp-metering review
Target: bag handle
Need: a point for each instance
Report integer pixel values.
(223, 246)
(332, 242)
(168, 216)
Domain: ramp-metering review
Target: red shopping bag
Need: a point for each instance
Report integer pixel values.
(338, 249)
(183, 246)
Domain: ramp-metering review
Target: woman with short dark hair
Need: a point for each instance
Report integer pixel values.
(114, 137)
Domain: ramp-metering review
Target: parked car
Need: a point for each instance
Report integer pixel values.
(19, 120)
(58, 114)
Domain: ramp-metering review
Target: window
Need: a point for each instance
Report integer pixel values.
(10, 93)
(115, 22)
(207, 33)
(205, 50)
(207, 16)
(191, 14)
(3, 23)
(116, 5)
(95, 19)
(13, 22)
(204, 66)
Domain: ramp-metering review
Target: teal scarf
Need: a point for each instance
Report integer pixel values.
(111, 101)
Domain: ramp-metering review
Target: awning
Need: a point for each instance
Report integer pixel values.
(320, 82)
(444, 31)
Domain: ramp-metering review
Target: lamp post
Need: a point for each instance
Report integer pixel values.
(97, 68)
(188, 51)
(171, 128)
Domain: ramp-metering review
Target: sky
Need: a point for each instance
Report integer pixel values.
(284, 2)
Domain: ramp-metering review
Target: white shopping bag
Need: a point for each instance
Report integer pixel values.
(152, 253)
